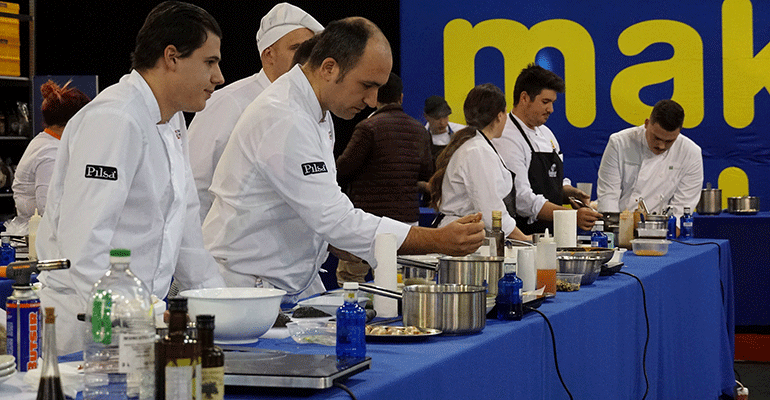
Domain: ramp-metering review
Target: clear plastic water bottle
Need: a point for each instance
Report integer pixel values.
(7, 252)
(598, 237)
(685, 224)
(351, 327)
(508, 301)
(671, 232)
(119, 348)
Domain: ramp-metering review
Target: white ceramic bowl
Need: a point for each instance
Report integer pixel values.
(241, 315)
(329, 303)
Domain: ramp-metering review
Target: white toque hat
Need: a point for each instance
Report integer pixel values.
(282, 19)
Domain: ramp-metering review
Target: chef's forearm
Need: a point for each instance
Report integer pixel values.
(459, 238)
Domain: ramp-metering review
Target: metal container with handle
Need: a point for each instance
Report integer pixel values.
(453, 309)
(471, 270)
(710, 201)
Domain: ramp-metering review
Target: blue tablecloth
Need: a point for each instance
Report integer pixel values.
(600, 335)
(750, 254)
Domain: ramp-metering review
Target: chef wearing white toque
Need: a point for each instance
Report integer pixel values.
(280, 33)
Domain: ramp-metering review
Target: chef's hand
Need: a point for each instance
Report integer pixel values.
(586, 218)
(571, 191)
(343, 255)
(462, 236)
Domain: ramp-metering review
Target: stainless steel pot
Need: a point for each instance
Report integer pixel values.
(743, 205)
(710, 201)
(471, 270)
(453, 309)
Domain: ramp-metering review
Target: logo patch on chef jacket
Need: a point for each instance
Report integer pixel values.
(101, 172)
(314, 168)
(552, 171)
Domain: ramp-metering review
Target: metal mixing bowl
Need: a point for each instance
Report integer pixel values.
(587, 263)
(605, 253)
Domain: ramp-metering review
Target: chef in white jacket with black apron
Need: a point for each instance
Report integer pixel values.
(122, 177)
(471, 176)
(532, 152)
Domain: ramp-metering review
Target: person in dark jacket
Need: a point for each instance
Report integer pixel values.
(383, 162)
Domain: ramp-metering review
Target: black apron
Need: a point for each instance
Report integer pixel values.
(509, 200)
(546, 177)
(436, 149)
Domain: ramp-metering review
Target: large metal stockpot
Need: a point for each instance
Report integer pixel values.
(471, 270)
(710, 201)
(453, 309)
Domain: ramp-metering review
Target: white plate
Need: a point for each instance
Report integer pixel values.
(7, 360)
(6, 377)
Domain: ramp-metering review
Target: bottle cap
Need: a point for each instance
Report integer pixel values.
(546, 238)
(120, 256)
(497, 214)
(177, 304)
(50, 317)
(350, 286)
(509, 265)
(204, 321)
(687, 210)
(598, 225)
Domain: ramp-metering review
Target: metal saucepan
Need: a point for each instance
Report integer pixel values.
(471, 270)
(453, 309)
(417, 272)
(743, 205)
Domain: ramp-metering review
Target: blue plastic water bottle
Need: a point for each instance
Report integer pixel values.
(598, 237)
(508, 301)
(7, 252)
(351, 327)
(671, 234)
(685, 224)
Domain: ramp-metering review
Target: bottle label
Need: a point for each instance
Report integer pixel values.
(135, 352)
(688, 224)
(183, 379)
(101, 324)
(213, 386)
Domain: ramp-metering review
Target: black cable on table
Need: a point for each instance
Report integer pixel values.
(647, 339)
(553, 341)
(345, 388)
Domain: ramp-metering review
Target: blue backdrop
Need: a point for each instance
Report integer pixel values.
(617, 61)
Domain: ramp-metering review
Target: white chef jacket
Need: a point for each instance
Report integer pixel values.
(277, 203)
(629, 170)
(121, 180)
(30, 182)
(444, 138)
(211, 128)
(476, 180)
(517, 155)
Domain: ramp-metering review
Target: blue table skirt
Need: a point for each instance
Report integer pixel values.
(748, 236)
(600, 334)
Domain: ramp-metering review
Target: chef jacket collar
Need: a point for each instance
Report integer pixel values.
(308, 94)
(136, 79)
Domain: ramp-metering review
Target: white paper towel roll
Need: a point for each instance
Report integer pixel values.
(526, 268)
(385, 274)
(565, 228)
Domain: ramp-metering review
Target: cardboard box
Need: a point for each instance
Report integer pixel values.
(10, 56)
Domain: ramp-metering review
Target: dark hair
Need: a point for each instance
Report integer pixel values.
(183, 25)
(533, 79)
(668, 114)
(303, 51)
(482, 105)
(391, 91)
(60, 103)
(345, 41)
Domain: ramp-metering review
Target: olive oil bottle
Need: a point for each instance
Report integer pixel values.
(212, 360)
(178, 358)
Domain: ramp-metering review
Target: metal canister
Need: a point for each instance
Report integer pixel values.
(23, 326)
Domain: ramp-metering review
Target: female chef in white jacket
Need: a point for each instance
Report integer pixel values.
(470, 176)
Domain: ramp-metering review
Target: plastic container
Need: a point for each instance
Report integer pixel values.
(568, 282)
(650, 247)
(318, 332)
(625, 229)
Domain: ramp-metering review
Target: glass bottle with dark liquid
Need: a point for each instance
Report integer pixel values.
(178, 358)
(212, 360)
(50, 381)
(497, 233)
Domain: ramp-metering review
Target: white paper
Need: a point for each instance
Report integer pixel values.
(526, 267)
(565, 227)
(385, 274)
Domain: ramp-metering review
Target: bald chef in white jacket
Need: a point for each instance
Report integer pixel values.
(280, 33)
(122, 177)
(277, 204)
(653, 161)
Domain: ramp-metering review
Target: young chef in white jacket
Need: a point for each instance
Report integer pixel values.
(652, 161)
(280, 33)
(277, 204)
(471, 176)
(122, 177)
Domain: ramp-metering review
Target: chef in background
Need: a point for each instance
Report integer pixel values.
(532, 152)
(437, 112)
(277, 204)
(30, 182)
(122, 176)
(471, 176)
(652, 161)
(281, 31)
